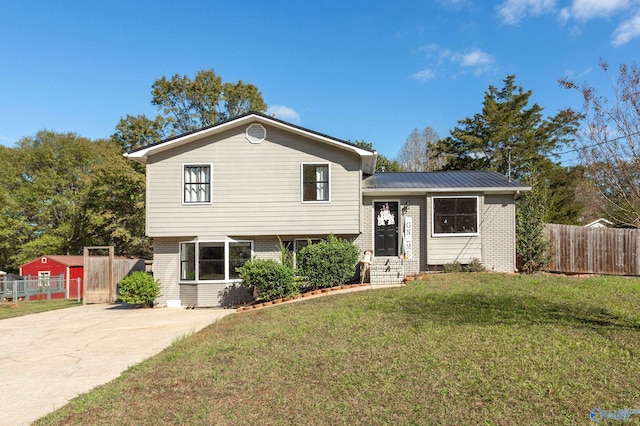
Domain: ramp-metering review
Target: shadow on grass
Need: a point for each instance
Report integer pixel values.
(473, 308)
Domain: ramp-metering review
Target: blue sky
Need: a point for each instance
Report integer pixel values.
(356, 70)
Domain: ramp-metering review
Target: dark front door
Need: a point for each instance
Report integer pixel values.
(385, 228)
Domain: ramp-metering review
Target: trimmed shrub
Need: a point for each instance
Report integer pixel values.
(139, 288)
(328, 263)
(474, 266)
(531, 244)
(271, 279)
(452, 267)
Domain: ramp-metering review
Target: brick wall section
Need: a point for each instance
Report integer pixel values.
(498, 233)
(392, 270)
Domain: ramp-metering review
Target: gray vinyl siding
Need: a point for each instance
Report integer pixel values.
(498, 230)
(442, 250)
(256, 188)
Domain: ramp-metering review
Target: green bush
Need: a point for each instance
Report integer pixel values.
(330, 262)
(531, 244)
(452, 267)
(474, 266)
(139, 288)
(272, 279)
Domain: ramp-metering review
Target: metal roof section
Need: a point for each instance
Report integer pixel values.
(368, 157)
(449, 181)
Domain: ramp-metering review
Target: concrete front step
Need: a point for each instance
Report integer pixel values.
(387, 271)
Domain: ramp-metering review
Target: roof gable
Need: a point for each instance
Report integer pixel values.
(368, 157)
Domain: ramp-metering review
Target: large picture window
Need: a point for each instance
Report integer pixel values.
(315, 182)
(213, 260)
(455, 215)
(197, 183)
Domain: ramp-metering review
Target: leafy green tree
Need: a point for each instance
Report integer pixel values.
(186, 105)
(115, 205)
(383, 163)
(508, 129)
(60, 192)
(14, 227)
(53, 173)
(564, 194)
(133, 132)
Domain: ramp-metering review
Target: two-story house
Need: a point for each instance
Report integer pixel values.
(230, 192)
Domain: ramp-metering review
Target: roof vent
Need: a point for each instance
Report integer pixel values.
(256, 133)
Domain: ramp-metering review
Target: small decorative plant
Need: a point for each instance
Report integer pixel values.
(139, 288)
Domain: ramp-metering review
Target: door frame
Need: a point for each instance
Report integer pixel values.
(373, 224)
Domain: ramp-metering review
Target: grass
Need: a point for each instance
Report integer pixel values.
(16, 309)
(452, 349)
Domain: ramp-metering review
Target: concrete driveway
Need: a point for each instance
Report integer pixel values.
(49, 358)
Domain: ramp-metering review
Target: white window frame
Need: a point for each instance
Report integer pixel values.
(227, 260)
(182, 188)
(44, 278)
(454, 234)
(319, 163)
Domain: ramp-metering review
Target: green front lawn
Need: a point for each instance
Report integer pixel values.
(16, 309)
(452, 349)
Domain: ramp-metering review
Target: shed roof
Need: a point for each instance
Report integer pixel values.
(62, 259)
(447, 181)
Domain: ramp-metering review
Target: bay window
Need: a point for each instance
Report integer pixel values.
(213, 260)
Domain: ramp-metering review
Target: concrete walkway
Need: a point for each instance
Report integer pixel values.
(49, 358)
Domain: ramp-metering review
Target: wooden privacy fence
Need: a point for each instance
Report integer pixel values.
(581, 250)
(103, 271)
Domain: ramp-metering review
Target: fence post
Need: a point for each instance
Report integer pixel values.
(78, 289)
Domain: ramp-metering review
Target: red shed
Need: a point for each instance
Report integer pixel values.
(71, 267)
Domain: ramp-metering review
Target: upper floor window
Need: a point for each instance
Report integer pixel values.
(315, 182)
(455, 215)
(197, 183)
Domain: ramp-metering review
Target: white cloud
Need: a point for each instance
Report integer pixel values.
(441, 59)
(627, 31)
(424, 75)
(584, 10)
(513, 11)
(477, 59)
(284, 113)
